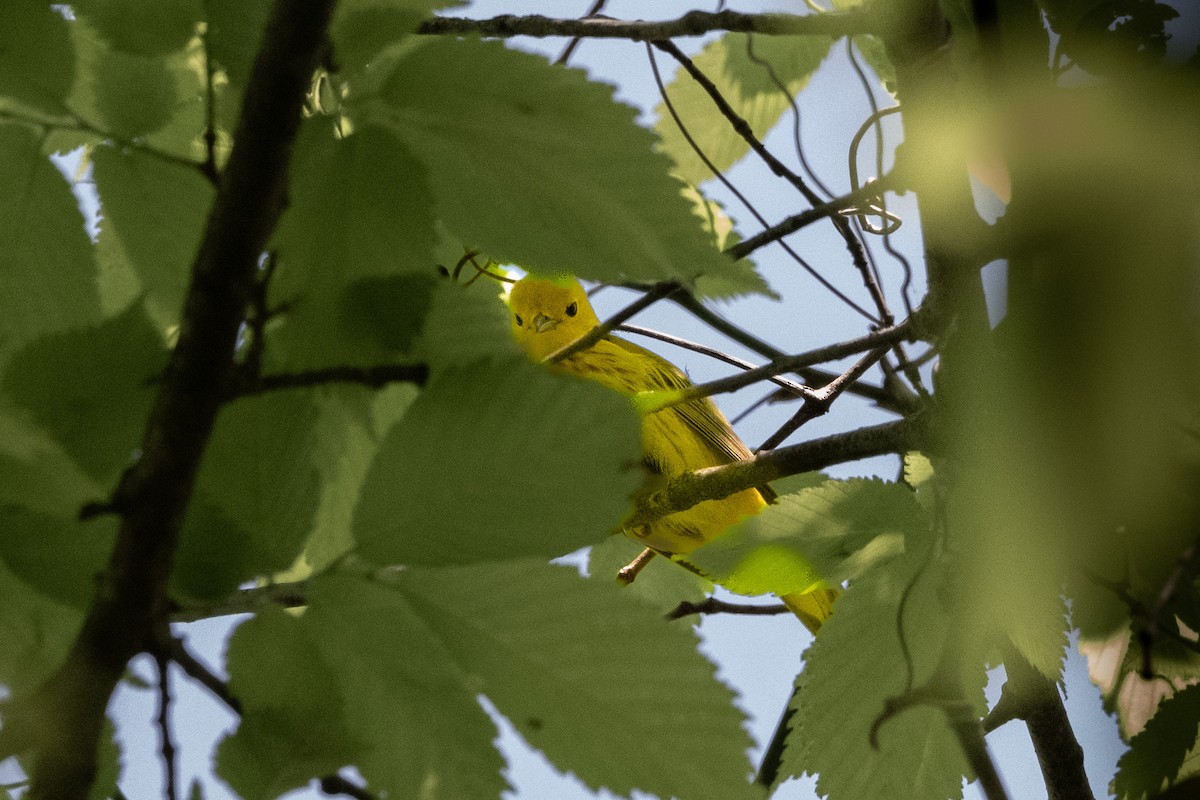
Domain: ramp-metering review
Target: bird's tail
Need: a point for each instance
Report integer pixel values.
(813, 608)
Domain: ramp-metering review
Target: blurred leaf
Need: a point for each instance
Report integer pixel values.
(358, 209)
(256, 494)
(91, 388)
(835, 530)
(507, 137)
(1102, 36)
(234, 32)
(47, 276)
(856, 665)
(1156, 754)
(293, 711)
(662, 583)
(153, 215)
(544, 464)
(361, 28)
(37, 632)
(37, 63)
(58, 556)
(747, 86)
(150, 100)
(142, 28)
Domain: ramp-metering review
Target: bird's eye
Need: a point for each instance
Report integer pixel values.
(572, 309)
(517, 317)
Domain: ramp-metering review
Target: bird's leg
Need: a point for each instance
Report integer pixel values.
(627, 573)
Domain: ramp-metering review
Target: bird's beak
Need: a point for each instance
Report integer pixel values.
(542, 323)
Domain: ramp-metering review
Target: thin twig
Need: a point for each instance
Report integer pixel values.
(791, 101)
(711, 605)
(693, 23)
(195, 669)
(375, 377)
(818, 402)
(883, 397)
(712, 352)
(728, 184)
(743, 129)
(209, 167)
(565, 55)
(784, 364)
(847, 203)
(76, 123)
(336, 784)
(1150, 628)
(167, 747)
(597, 333)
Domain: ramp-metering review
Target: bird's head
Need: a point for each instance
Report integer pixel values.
(549, 313)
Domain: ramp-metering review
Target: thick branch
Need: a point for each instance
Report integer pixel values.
(715, 482)
(693, 23)
(153, 497)
(1058, 751)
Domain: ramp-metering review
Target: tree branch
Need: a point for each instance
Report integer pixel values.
(375, 377)
(693, 23)
(838, 205)
(884, 398)
(687, 490)
(711, 605)
(1058, 751)
(248, 601)
(131, 595)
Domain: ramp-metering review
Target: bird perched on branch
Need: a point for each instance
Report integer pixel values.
(550, 313)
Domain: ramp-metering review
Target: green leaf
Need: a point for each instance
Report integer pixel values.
(256, 494)
(91, 388)
(1156, 754)
(235, 28)
(589, 676)
(836, 530)
(359, 209)
(155, 101)
(37, 63)
(47, 276)
(361, 28)
(352, 422)
(662, 583)
(405, 695)
(507, 138)
(544, 464)
(465, 324)
(142, 28)
(293, 710)
(748, 88)
(855, 666)
(37, 632)
(58, 556)
(875, 54)
(153, 214)
(35, 471)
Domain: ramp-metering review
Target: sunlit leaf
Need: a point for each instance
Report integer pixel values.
(507, 138)
(544, 464)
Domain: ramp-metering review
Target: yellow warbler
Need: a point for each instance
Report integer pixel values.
(551, 313)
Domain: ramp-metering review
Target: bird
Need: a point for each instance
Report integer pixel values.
(548, 313)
